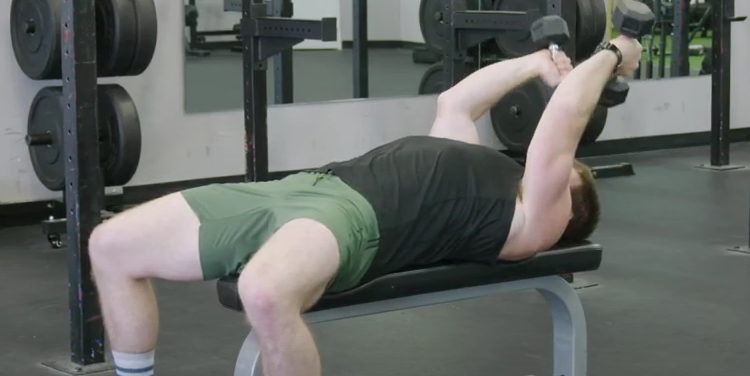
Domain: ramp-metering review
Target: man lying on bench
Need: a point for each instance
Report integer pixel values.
(414, 201)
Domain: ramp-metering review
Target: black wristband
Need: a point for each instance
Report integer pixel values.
(611, 47)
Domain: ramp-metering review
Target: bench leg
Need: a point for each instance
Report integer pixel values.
(248, 361)
(568, 320)
(569, 324)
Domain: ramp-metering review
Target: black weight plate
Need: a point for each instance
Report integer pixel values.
(591, 26)
(116, 30)
(431, 21)
(119, 135)
(595, 127)
(35, 35)
(517, 43)
(147, 31)
(515, 117)
(431, 24)
(432, 80)
(46, 117)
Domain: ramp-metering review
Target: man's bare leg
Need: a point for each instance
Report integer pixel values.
(287, 276)
(156, 240)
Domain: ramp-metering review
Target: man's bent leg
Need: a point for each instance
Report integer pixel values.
(285, 278)
(158, 239)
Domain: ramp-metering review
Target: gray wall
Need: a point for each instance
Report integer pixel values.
(181, 147)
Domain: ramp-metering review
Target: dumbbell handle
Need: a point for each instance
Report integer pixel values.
(554, 48)
(39, 139)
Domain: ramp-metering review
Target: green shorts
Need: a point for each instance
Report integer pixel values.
(237, 219)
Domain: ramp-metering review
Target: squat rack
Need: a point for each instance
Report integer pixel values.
(262, 37)
(721, 83)
(84, 188)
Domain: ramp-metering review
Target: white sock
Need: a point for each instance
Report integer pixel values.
(134, 364)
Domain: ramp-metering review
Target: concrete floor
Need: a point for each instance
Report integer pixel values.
(671, 300)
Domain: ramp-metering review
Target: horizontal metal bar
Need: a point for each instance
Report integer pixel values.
(551, 283)
(210, 33)
(494, 20)
(277, 27)
(218, 45)
(59, 225)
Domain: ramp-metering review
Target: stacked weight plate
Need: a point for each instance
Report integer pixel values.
(126, 33)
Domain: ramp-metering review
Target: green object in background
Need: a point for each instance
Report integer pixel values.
(695, 61)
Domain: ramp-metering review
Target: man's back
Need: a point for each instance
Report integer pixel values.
(436, 199)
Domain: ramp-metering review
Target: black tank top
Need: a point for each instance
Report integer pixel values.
(435, 199)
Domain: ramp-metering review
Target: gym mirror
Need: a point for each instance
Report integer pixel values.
(321, 71)
(691, 33)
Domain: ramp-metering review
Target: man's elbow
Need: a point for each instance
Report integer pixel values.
(447, 102)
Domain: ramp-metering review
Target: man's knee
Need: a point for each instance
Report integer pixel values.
(265, 304)
(107, 244)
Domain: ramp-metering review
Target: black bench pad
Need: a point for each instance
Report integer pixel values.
(574, 258)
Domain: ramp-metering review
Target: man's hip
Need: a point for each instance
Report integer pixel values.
(237, 219)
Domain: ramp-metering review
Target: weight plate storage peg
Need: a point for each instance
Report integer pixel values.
(516, 116)
(35, 36)
(432, 80)
(591, 27)
(119, 136)
(517, 43)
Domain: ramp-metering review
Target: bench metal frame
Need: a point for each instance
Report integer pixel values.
(569, 321)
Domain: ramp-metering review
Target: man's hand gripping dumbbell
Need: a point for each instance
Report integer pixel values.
(472, 97)
(632, 19)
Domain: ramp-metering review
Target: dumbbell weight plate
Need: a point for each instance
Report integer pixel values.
(516, 116)
(517, 43)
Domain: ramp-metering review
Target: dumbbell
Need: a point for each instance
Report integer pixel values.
(550, 32)
(632, 19)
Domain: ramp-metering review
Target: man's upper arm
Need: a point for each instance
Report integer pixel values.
(546, 181)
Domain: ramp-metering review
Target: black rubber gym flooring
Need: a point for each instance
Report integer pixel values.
(670, 300)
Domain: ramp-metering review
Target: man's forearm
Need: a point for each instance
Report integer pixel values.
(572, 104)
(478, 92)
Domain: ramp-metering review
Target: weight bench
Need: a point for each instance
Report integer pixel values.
(453, 282)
